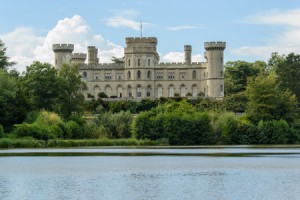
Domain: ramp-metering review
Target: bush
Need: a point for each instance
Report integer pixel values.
(273, 132)
(226, 126)
(1, 131)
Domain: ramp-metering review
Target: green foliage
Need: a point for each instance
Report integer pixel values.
(21, 143)
(287, 69)
(41, 85)
(46, 126)
(226, 127)
(4, 60)
(116, 125)
(1, 131)
(273, 132)
(71, 100)
(268, 102)
(236, 102)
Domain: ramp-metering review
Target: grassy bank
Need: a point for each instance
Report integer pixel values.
(6, 143)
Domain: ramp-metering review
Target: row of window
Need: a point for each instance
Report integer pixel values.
(159, 75)
(171, 91)
(139, 62)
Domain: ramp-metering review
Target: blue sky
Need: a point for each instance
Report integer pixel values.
(252, 29)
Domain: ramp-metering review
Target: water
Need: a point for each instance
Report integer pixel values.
(136, 174)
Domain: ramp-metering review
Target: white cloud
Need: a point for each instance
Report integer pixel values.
(25, 46)
(184, 27)
(179, 57)
(123, 22)
(276, 17)
(284, 43)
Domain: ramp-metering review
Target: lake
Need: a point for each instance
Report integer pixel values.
(221, 173)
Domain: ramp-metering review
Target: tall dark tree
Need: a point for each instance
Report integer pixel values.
(288, 71)
(71, 99)
(4, 59)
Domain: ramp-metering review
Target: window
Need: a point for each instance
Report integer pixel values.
(128, 62)
(139, 91)
(171, 91)
(107, 76)
(129, 91)
(159, 75)
(221, 73)
(84, 76)
(194, 75)
(204, 74)
(194, 91)
(182, 91)
(221, 88)
(128, 75)
(171, 75)
(149, 74)
(119, 91)
(96, 76)
(139, 74)
(148, 91)
(221, 59)
(182, 75)
(55, 61)
(139, 62)
(119, 76)
(148, 62)
(159, 91)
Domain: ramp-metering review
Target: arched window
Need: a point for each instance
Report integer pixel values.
(194, 91)
(139, 74)
(108, 90)
(96, 91)
(119, 91)
(182, 90)
(159, 91)
(194, 74)
(221, 88)
(128, 62)
(138, 91)
(148, 74)
(84, 76)
(148, 62)
(221, 73)
(128, 75)
(171, 91)
(139, 62)
(129, 92)
(148, 91)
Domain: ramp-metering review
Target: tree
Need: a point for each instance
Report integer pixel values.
(268, 102)
(288, 72)
(4, 60)
(71, 100)
(41, 86)
(118, 60)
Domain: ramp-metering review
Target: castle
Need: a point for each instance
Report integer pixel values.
(141, 75)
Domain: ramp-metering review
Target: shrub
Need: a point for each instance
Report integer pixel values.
(1, 131)
(226, 127)
(273, 132)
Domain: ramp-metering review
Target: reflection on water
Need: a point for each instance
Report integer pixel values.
(151, 177)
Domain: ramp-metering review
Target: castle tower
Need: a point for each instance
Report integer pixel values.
(93, 55)
(215, 68)
(63, 54)
(188, 54)
(78, 58)
(140, 58)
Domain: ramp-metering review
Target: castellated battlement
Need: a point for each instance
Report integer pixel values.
(174, 64)
(141, 40)
(79, 56)
(63, 47)
(187, 47)
(214, 45)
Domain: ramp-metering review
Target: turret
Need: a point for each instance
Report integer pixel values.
(215, 68)
(63, 54)
(78, 58)
(93, 55)
(188, 54)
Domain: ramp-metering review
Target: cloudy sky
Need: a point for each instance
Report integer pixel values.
(252, 29)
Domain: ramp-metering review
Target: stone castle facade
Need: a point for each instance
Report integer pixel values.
(143, 76)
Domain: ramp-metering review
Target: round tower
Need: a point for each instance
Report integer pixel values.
(78, 58)
(63, 54)
(215, 68)
(188, 54)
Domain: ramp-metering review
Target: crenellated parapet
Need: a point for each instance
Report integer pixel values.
(141, 40)
(79, 56)
(214, 46)
(63, 47)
